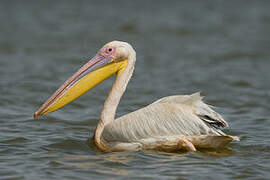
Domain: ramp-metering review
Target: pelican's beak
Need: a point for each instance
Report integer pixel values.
(92, 73)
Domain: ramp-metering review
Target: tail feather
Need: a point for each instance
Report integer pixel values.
(208, 115)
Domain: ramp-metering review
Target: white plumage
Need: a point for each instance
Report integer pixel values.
(166, 121)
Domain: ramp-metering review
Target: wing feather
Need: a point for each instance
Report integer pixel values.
(174, 115)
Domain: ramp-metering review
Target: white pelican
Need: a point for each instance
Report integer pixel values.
(169, 124)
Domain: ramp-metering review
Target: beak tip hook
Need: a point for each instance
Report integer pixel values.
(35, 115)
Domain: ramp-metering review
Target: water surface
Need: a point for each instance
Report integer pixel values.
(219, 48)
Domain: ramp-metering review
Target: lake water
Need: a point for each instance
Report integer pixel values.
(220, 48)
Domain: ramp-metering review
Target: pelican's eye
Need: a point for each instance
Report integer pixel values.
(109, 50)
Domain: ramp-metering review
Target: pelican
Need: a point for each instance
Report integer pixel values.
(179, 122)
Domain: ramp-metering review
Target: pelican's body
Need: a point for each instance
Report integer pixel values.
(171, 123)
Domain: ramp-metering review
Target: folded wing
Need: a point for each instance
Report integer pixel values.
(185, 115)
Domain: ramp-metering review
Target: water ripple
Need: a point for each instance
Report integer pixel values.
(182, 47)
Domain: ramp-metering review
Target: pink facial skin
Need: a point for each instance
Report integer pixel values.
(107, 52)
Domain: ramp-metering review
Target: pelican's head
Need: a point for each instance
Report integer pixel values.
(111, 59)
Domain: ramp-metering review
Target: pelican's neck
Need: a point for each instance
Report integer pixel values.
(113, 99)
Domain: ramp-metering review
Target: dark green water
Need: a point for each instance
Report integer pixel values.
(220, 48)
